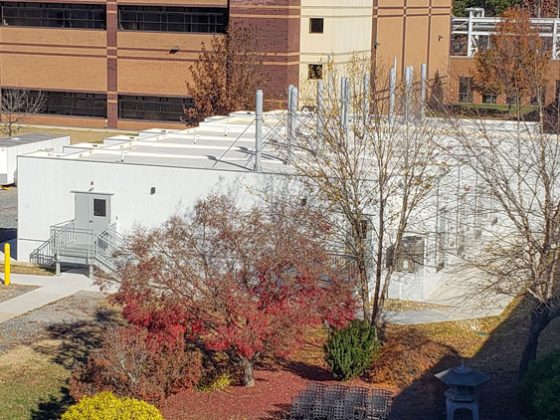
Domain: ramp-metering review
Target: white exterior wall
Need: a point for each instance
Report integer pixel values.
(45, 197)
(9, 155)
(347, 29)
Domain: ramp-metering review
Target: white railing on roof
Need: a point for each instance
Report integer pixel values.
(472, 34)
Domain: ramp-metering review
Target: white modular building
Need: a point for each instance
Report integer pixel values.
(75, 205)
(12, 147)
(133, 181)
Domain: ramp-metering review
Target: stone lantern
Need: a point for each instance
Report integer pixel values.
(462, 382)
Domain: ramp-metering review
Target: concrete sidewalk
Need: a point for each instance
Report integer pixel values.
(50, 289)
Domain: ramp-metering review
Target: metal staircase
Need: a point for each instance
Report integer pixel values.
(71, 245)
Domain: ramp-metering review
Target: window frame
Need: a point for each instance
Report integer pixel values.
(54, 15)
(315, 72)
(152, 108)
(183, 19)
(469, 94)
(317, 20)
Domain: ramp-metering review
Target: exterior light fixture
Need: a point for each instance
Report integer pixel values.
(174, 49)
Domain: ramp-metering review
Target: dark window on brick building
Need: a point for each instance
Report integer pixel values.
(465, 89)
(54, 15)
(152, 108)
(315, 71)
(489, 98)
(557, 97)
(173, 19)
(316, 25)
(534, 98)
(77, 104)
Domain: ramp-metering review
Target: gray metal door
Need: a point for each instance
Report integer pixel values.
(92, 211)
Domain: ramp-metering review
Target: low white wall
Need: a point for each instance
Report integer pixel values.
(10, 154)
(45, 198)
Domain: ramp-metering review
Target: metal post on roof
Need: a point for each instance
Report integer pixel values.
(289, 120)
(258, 130)
(423, 89)
(407, 91)
(319, 109)
(344, 99)
(292, 117)
(366, 96)
(392, 88)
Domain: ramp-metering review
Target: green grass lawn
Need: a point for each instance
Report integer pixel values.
(31, 385)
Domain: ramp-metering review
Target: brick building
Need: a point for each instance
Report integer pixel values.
(472, 34)
(124, 63)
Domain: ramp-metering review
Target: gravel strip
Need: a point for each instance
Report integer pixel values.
(8, 209)
(14, 290)
(39, 324)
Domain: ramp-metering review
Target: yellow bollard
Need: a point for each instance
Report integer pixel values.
(6, 264)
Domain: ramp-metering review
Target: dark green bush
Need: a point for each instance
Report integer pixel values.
(350, 351)
(539, 391)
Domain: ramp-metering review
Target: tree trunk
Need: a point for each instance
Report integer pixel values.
(248, 379)
(540, 318)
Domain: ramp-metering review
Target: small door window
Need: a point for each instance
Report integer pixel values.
(99, 207)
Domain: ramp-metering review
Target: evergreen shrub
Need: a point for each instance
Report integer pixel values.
(350, 351)
(539, 391)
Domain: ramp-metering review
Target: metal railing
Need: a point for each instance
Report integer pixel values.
(68, 241)
(471, 34)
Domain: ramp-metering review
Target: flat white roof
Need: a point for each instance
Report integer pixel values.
(26, 139)
(221, 142)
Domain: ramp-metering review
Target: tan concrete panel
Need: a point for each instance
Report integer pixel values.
(390, 3)
(390, 12)
(442, 3)
(439, 45)
(47, 37)
(389, 40)
(152, 77)
(416, 51)
(54, 72)
(418, 3)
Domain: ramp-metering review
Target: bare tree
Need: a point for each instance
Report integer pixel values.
(16, 105)
(520, 171)
(370, 168)
(226, 75)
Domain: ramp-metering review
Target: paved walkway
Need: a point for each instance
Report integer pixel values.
(50, 289)
(463, 294)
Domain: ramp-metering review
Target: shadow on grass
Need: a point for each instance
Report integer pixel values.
(78, 339)
(54, 407)
(499, 357)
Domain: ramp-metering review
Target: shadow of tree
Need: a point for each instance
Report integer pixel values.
(77, 339)
(281, 411)
(307, 371)
(54, 407)
(498, 357)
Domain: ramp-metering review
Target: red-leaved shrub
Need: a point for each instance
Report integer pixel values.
(132, 363)
(247, 283)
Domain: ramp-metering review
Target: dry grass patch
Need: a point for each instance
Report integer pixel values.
(29, 381)
(76, 135)
(28, 269)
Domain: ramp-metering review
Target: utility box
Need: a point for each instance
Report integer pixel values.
(12, 147)
(411, 256)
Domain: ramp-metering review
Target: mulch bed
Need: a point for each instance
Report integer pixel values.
(13, 290)
(269, 399)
